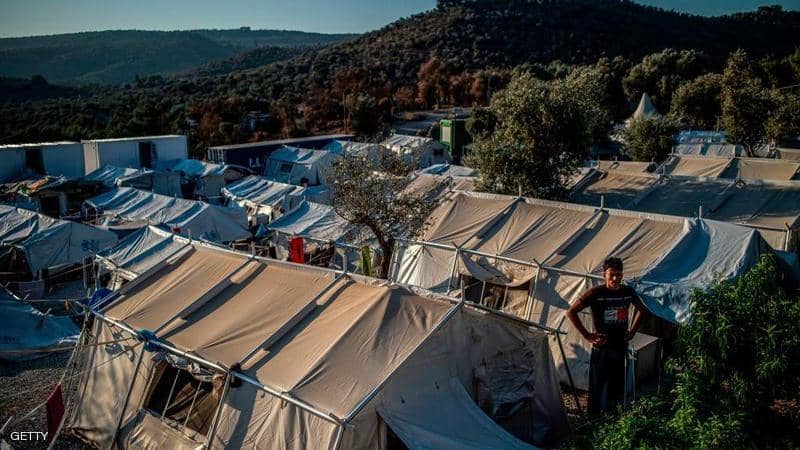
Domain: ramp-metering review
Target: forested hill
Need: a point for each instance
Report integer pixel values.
(112, 57)
(458, 53)
(473, 35)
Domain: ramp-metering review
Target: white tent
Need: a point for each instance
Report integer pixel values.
(266, 200)
(139, 252)
(294, 165)
(644, 109)
(48, 242)
(371, 151)
(423, 151)
(108, 175)
(320, 359)
(209, 179)
(533, 258)
(155, 181)
(127, 206)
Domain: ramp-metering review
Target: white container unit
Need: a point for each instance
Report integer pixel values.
(47, 158)
(136, 152)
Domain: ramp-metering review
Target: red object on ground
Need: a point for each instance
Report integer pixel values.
(55, 412)
(297, 252)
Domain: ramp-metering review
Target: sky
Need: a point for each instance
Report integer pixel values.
(39, 17)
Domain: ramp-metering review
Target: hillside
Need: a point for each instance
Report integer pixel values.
(457, 53)
(113, 57)
(249, 59)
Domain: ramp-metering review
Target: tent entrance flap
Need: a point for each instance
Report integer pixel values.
(444, 416)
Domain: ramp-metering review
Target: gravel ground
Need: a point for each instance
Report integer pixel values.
(25, 385)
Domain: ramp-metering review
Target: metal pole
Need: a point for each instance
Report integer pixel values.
(531, 295)
(127, 397)
(337, 442)
(189, 412)
(218, 412)
(171, 391)
(452, 270)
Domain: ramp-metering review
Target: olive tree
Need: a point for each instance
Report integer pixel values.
(367, 192)
(541, 135)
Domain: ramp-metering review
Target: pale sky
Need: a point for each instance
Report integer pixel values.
(37, 17)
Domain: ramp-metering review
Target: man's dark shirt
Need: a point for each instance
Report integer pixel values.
(610, 312)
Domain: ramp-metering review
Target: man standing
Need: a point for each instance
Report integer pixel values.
(610, 304)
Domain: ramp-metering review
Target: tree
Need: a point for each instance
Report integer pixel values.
(697, 102)
(746, 104)
(785, 120)
(543, 133)
(481, 123)
(364, 114)
(650, 138)
(366, 194)
(660, 74)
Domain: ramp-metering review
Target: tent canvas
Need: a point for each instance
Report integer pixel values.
(140, 251)
(299, 332)
(556, 250)
(425, 152)
(48, 242)
(294, 165)
(771, 207)
(156, 181)
(108, 175)
(263, 199)
(128, 205)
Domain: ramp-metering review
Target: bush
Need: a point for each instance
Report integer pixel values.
(650, 138)
(736, 373)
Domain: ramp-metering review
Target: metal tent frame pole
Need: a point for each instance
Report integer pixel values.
(218, 413)
(127, 397)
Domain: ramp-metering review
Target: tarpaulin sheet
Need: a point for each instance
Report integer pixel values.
(24, 329)
(445, 417)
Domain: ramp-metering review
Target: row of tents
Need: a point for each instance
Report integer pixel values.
(771, 207)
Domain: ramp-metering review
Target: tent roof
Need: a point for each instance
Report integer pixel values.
(108, 174)
(732, 168)
(201, 219)
(49, 242)
(302, 156)
(24, 328)
(297, 329)
(756, 203)
(577, 238)
(142, 249)
(709, 149)
(194, 168)
(301, 330)
(645, 108)
(260, 191)
(450, 170)
(627, 166)
(312, 220)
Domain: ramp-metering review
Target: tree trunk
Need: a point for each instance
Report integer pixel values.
(385, 261)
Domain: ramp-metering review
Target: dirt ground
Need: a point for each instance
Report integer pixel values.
(25, 385)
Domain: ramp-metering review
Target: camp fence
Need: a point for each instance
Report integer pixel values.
(215, 349)
(533, 258)
(133, 207)
(771, 207)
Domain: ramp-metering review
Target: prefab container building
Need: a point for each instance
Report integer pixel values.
(47, 158)
(254, 155)
(135, 152)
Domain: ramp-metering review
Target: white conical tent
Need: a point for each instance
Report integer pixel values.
(644, 109)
